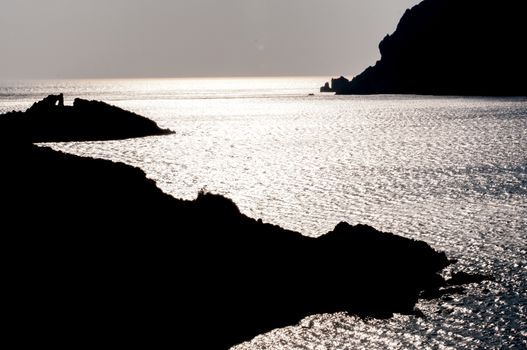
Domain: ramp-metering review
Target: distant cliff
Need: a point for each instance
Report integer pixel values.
(451, 47)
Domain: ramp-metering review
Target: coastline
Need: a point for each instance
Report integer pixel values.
(95, 220)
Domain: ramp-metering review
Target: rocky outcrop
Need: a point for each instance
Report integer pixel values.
(49, 120)
(451, 47)
(326, 88)
(96, 252)
(338, 84)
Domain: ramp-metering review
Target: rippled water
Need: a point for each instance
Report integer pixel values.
(449, 171)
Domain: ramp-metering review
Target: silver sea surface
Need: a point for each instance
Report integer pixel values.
(450, 171)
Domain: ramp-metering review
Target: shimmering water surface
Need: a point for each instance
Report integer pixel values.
(447, 170)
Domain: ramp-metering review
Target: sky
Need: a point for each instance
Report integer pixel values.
(192, 38)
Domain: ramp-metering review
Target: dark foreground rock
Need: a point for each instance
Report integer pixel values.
(97, 254)
(50, 120)
(451, 47)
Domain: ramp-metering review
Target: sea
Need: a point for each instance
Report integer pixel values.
(451, 171)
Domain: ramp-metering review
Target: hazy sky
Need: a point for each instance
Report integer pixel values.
(170, 38)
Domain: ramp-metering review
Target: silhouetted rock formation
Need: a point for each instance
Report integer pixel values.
(50, 121)
(97, 253)
(451, 47)
(336, 85)
(48, 103)
(326, 88)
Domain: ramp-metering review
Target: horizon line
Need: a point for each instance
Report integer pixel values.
(218, 77)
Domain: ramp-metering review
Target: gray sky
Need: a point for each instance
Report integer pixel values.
(171, 38)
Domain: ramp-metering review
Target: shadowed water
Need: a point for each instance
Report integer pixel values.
(449, 171)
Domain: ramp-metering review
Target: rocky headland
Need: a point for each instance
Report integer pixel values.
(97, 254)
(49, 120)
(450, 47)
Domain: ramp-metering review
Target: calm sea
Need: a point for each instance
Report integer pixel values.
(447, 170)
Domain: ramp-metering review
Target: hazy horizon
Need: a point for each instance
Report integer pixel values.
(60, 39)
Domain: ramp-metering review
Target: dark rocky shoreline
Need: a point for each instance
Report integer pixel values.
(97, 254)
